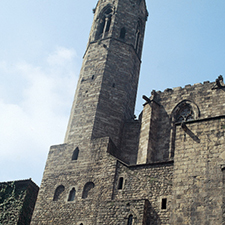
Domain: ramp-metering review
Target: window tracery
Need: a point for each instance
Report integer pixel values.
(104, 23)
(185, 114)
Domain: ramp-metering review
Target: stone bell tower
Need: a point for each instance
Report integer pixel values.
(106, 91)
(80, 174)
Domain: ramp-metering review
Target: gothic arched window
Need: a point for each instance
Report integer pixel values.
(75, 154)
(130, 220)
(87, 187)
(58, 192)
(104, 23)
(185, 113)
(72, 195)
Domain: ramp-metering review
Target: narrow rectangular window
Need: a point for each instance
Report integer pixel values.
(120, 185)
(164, 202)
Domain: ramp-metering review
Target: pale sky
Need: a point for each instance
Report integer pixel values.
(42, 44)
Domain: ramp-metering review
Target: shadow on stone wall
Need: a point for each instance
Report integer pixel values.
(151, 217)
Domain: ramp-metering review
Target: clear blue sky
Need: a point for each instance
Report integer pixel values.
(42, 44)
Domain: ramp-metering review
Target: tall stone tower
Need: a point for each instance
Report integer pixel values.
(79, 176)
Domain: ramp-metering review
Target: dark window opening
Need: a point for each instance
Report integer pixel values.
(164, 202)
(93, 76)
(101, 26)
(138, 37)
(72, 195)
(104, 23)
(130, 220)
(108, 19)
(75, 154)
(123, 33)
(87, 187)
(58, 192)
(120, 185)
(113, 85)
(137, 40)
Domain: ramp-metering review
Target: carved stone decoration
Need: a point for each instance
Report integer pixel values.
(219, 83)
(185, 114)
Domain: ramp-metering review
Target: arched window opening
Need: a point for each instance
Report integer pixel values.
(130, 220)
(75, 154)
(120, 184)
(58, 192)
(108, 22)
(123, 33)
(104, 23)
(185, 113)
(87, 187)
(137, 45)
(72, 195)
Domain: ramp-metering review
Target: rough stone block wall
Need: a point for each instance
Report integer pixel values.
(118, 212)
(62, 170)
(130, 140)
(208, 100)
(198, 177)
(151, 182)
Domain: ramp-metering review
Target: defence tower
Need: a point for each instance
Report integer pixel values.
(80, 174)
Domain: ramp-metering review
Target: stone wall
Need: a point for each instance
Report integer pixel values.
(205, 100)
(151, 182)
(198, 176)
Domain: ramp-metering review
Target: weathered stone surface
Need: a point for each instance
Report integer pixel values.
(166, 167)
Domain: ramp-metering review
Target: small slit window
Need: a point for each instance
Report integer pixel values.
(75, 154)
(164, 203)
(72, 195)
(120, 184)
(123, 33)
(138, 38)
(130, 220)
